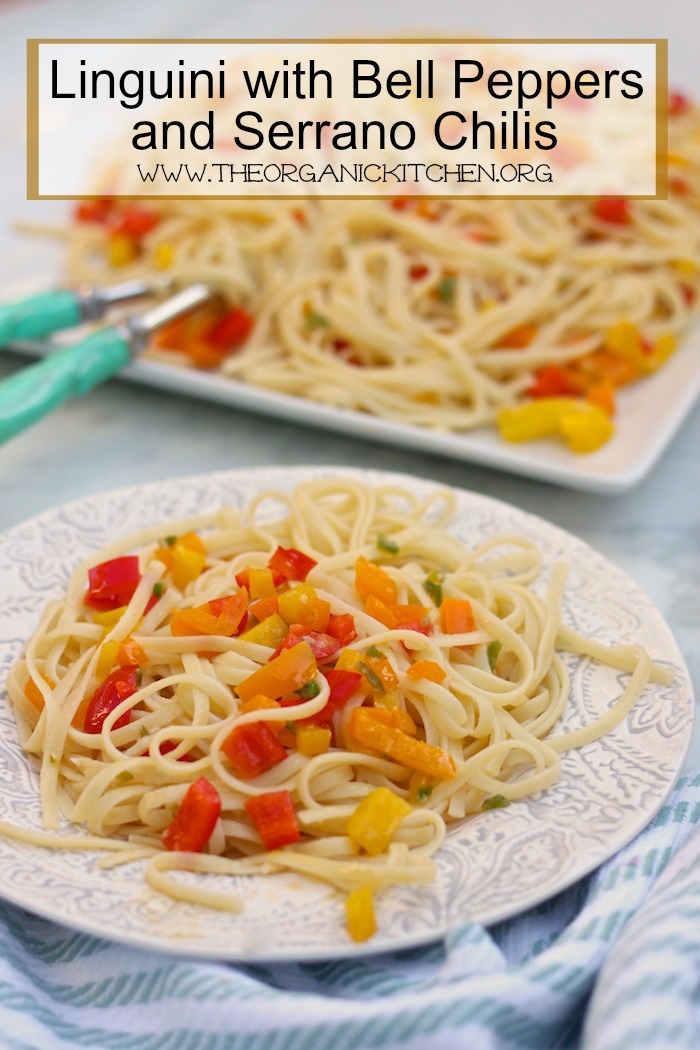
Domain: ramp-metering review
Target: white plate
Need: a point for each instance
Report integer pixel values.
(648, 416)
(492, 866)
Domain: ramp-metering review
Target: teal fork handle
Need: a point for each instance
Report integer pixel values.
(30, 394)
(38, 316)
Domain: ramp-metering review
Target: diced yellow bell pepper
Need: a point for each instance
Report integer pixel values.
(270, 631)
(359, 911)
(108, 618)
(302, 605)
(685, 267)
(122, 250)
(312, 740)
(187, 565)
(260, 584)
(586, 432)
(106, 659)
(663, 348)
(375, 820)
(349, 660)
(164, 255)
(584, 425)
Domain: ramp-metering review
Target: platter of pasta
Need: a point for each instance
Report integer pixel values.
(551, 338)
(304, 713)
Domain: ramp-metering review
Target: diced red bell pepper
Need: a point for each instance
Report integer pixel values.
(677, 104)
(615, 210)
(97, 211)
(112, 583)
(291, 563)
(415, 625)
(323, 646)
(196, 817)
(418, 271)
(552, 381)
(120, 685)
(252, 749)
(135, 222)
(342, 686)
(342, 627)
(169, 745)
(230, 330)
(274, 817)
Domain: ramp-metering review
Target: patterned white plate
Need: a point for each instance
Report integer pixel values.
(492, 866)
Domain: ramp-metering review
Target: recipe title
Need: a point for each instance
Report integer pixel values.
(305, 81)
(349, 118)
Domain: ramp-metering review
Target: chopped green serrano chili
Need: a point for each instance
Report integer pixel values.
(158, 589)
(171, 540)
(492, 652)
(424, 793)
(433, 586)
(124, 777)
(316, 320)
(495, 802)
(373, 679)
(387, 545)
(446, 289)
(309, 691)
(375, 651)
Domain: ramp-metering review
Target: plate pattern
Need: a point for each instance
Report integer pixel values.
(491, 867)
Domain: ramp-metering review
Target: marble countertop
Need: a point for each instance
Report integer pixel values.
(122, 434)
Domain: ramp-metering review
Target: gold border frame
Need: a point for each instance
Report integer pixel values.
(661, 145)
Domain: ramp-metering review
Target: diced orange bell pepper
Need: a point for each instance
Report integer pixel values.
(130, 653)
(456, 616)
(264, 607)
(517, 338)
(376, 608)
(302, 605)
(288, 672)
(393, 716)
(408, 751)
(379, 673)
(602, 394)
(428, 669)
(222, 616)
(371, 579)
(33, 692)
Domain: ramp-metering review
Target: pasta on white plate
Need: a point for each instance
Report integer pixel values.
(436, 313)
(321, 684)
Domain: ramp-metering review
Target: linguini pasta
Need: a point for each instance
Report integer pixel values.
(437, 313)
(480, 699)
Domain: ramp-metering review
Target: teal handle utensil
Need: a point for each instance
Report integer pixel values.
(38, 316)
(29, 395)
(32, 393)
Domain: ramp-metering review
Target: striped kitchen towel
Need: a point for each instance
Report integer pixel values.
(613, 963)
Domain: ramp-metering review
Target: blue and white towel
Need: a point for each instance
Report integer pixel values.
(611, 964)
